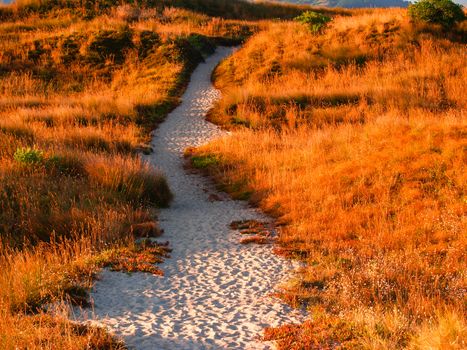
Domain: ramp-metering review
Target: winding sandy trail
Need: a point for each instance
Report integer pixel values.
(214, 294)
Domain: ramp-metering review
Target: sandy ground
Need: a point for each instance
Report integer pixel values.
(214, 294)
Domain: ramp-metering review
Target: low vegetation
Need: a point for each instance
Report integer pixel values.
(316, 21)
(354, 139)
(350, 3)
(358, 131)
(443, 12)
(81, 86)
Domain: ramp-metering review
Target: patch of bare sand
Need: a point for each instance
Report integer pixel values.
(215, 292)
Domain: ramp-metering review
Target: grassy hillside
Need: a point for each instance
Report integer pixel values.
(237, 9)
(359, 151)
(355, 139)
(80, 89)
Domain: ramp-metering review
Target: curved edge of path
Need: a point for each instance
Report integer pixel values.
(215, 292)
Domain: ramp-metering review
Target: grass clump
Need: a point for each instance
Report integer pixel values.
(136, 181)
(204, 161)
(40, 331)
(66, 164)
(319, 333)
(139, 257)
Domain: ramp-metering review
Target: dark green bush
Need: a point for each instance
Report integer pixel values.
(202, 44)
(316, 21)
(205, 161)
(443, 12)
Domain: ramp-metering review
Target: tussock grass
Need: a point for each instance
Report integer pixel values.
(229, 9)
(43, 331)
(359, 151)
(80, 89)
(349, 74)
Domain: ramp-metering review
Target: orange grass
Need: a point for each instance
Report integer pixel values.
(359, 139)
(355, 72)
(79, 96)
(43, 331)
(43, 277)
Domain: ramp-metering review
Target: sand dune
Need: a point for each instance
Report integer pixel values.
(214, 294)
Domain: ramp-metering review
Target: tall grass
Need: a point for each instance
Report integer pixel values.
(79, 94)
(229, 9)
(359, 151)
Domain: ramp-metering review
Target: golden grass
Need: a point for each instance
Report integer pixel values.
(229, 9)
(78, 98)
(43, 331)
(340, 76)
(35, 282)
(359, 151)
(330, 117)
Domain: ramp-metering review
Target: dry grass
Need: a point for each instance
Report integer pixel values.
(79, 93)
(229, 9)
(40, 277)
(43, 331)
(349, 74)
(359, 140)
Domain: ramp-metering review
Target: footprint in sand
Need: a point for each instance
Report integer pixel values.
(214, 292)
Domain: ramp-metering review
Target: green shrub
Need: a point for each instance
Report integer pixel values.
(29, 156)
(202, 162)
(443, 12)
(316, 21)
(202, 44)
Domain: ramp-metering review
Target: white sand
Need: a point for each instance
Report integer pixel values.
(214, 294)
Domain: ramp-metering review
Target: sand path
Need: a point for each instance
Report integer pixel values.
(214, 294)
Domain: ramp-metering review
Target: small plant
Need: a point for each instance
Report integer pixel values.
(255, 239)
(316, 21)
(141, 257)
(202, 162)
(29, 156)
(443, 12)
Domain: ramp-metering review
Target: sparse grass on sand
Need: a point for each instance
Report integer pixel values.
(355, 140)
